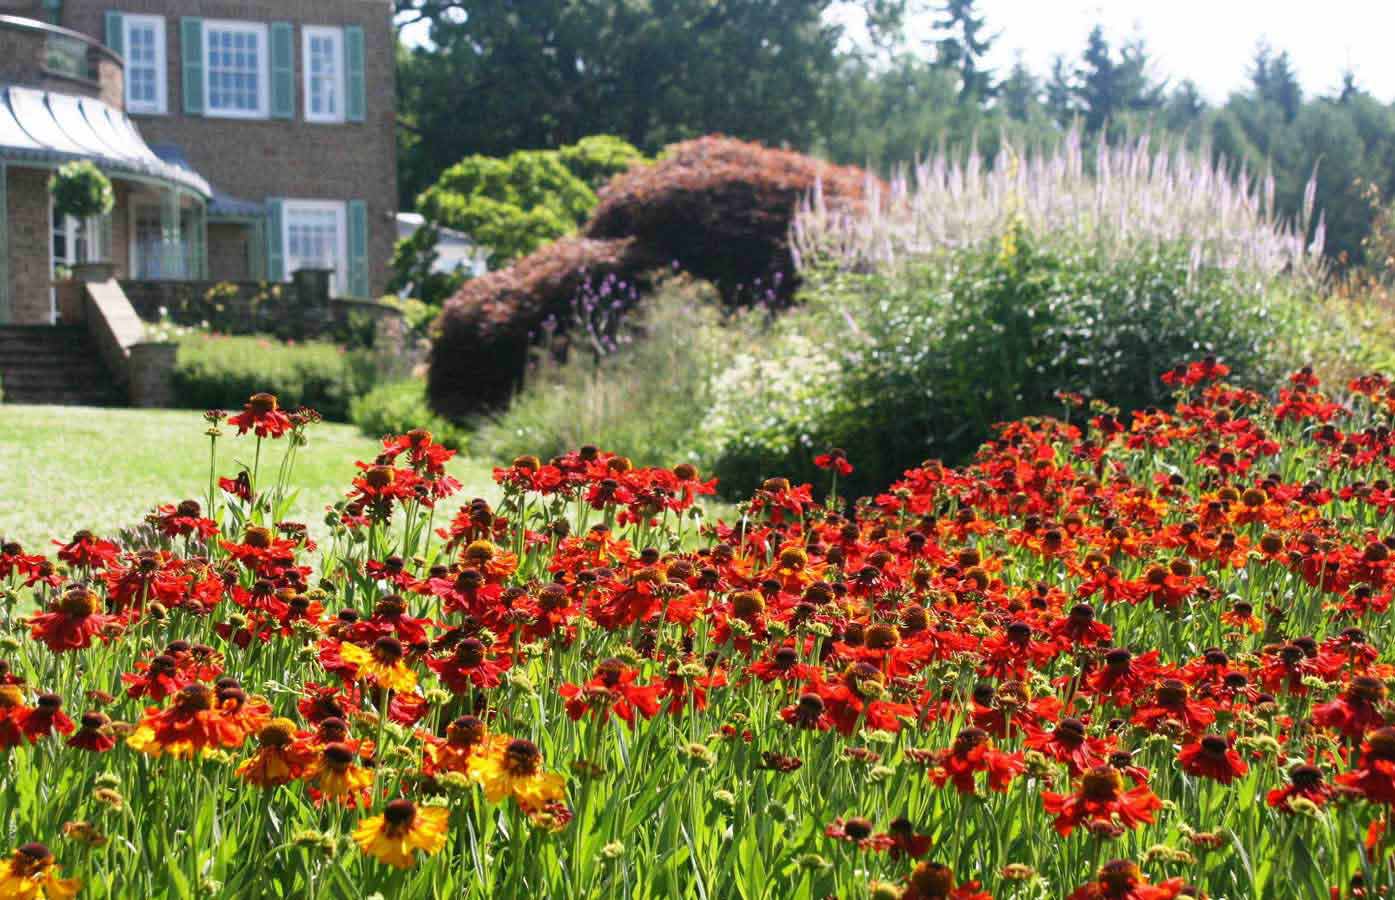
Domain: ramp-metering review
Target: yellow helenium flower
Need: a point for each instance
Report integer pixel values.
(515, 769)
(395, 836)
(383, 664)
(336, 776)
(30, 874)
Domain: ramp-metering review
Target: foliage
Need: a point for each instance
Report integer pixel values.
(880, 99)
(219, 371)
(413, 268)
(510, 206)
(605, 390)
(597, 158)
(652, 75)
(400, 406)
(417, 314)
(482, 340)
(81, 190)
(716, 208)
(932, 354)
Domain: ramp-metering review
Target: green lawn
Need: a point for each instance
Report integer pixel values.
(63, 468)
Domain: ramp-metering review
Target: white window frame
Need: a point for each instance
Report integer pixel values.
(289, 208)
(341, 88)
(161, 105)
(263, 110)
(70, 227)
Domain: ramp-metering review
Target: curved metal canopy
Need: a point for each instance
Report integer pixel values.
(46, 127)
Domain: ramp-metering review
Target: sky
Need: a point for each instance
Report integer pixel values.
(1209, 41)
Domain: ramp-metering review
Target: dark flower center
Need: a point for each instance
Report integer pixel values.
(522, 758)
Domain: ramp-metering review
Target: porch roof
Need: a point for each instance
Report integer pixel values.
(222, 205)
(46, 127)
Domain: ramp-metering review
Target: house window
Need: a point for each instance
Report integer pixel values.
(145, 63)
(236, 69)
(323, 52)
(150, 257)
(315, 236)
(74, 240)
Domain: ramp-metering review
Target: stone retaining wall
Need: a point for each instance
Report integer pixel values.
(301, 310)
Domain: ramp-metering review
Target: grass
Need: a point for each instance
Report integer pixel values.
(66, 468)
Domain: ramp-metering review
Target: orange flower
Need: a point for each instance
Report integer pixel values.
(335, 776)
(465, 736)
(496, 564)
(280, 760)
(263, 415)
(194, 721)
(1102, 805)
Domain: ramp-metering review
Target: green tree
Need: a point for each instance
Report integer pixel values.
(1108, 88)
(1060, 92)
(498, 76)
(963, 47)
(1020, 93)
(1274, 81)
(1184, 109)
(510, 205)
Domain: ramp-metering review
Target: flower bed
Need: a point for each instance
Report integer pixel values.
(1111, 658)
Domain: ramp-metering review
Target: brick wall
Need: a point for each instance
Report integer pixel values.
(29, 238)
(257, 159)
(229, 251)
(21, 56)
(24, 57)
(111, 78)
(24, 60)
(120, 250)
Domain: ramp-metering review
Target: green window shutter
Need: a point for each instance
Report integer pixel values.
(282, 71)
(356, 104)
(191, 49)
(358, 248)
(116, 34)
(275, 249)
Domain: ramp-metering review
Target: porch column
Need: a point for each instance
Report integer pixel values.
(171, 247)
(198, 264)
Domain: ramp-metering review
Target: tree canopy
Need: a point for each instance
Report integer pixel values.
(857, 81)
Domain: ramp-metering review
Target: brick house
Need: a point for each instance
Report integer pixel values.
(246, 139)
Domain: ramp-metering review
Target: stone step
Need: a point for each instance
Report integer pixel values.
(53, 365)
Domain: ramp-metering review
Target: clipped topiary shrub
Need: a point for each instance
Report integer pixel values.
(81, 190)
(722, 209)
(718, 208)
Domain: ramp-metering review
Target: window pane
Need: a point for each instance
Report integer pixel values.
(313, 236)
(323, 75)
(143, 75)
(149, 242)
(234, 70)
